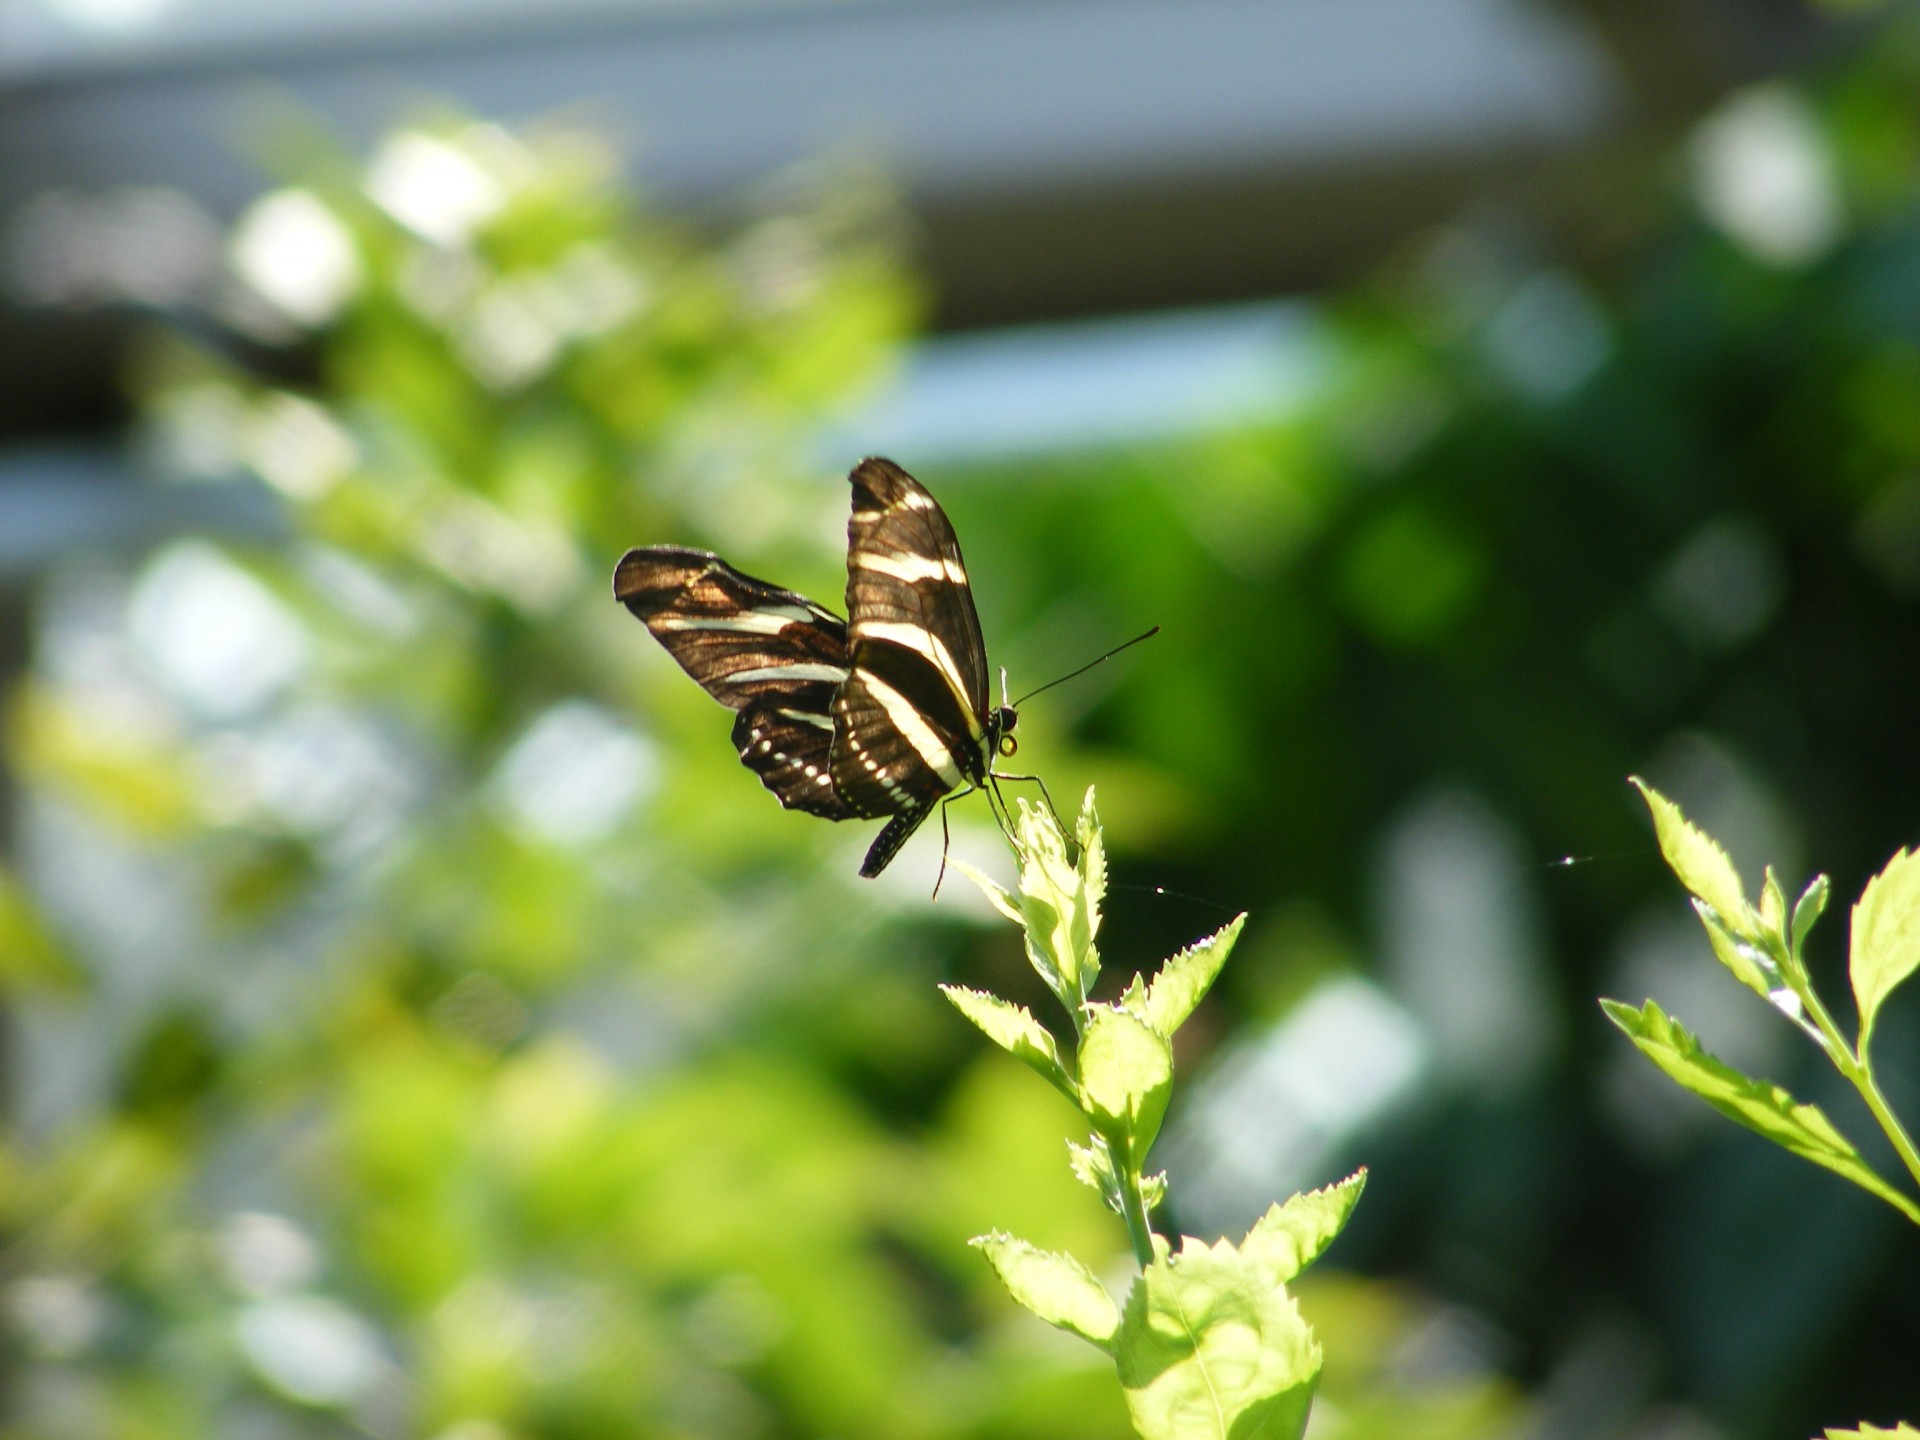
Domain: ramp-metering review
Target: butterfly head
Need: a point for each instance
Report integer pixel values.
(1000, 730)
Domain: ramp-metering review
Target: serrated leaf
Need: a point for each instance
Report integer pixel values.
(1811, 905)
(1013, 1028)
(1126, 1075)
(1886, 937)
(1773, 904)
(1185, 979)
(1056, 1287)
(1053, 907)
(1762, 1107)
(996, 893)
(1093, 1168)
(1750, 965)
(1209, 1348)
(1864, 1431)
(1699, 862)
(1291, 1236)
(1092, 870)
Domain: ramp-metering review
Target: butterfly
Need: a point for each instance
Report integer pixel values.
(885, 713)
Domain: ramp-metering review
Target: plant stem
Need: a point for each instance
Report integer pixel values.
(1859, 1073)
(1863, 1081)
(1134, 1208)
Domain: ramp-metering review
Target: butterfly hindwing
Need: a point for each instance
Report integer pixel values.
(791, 751)
(771, 654)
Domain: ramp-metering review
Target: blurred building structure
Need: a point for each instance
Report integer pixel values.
(1061, 159)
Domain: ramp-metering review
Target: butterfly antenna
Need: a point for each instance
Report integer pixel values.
(1148, 635)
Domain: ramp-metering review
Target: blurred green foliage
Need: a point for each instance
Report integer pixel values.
(464, 1046)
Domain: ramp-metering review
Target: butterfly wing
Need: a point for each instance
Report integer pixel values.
(770, 654)
(910, 720)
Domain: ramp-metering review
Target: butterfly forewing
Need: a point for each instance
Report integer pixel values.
(908, 592)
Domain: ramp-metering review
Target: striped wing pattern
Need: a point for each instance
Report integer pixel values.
(910, 721)
(770, 654)
(882, 716)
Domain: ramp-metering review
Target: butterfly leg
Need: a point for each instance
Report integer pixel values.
(946, 836)
(1046, 795)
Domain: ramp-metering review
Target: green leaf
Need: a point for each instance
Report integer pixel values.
(1126, 1075)
(1057, 908)
(1056, 1287)
(1013, 1028)
(995, 893)
(1751, 965)
(1886, 936)
(1092, 870)
(1864, 1431)
(1210, 1348)
(1093, 1168)
(1699, 862)
(1184, 980)
(1762, 1107)
(1291, 1236)
(1811, 905)
(1773, 904)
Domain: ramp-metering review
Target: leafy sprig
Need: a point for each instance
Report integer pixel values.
(1207, 1342)
(1763, 945)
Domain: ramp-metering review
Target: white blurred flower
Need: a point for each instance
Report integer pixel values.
(311, 1348)
(298, 448)
(575, 773)
(215, 636)
(293, 250)
(266, 1254)
(433, 187)
(1765, 176)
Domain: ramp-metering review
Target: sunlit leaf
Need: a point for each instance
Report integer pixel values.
(1126, 1075)
(1184, 980)
(1292, 1235)
(996, 894)
(1699, 862)
(1210, 1348)
(1886, 936)
(1762, 1107)
(1864, 1431)
(1013, 1028)
(1057, 1288)
(1811, 905)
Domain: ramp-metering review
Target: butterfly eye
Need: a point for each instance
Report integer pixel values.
(1008, 745)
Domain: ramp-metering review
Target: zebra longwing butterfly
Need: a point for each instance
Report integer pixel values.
(882, 714)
